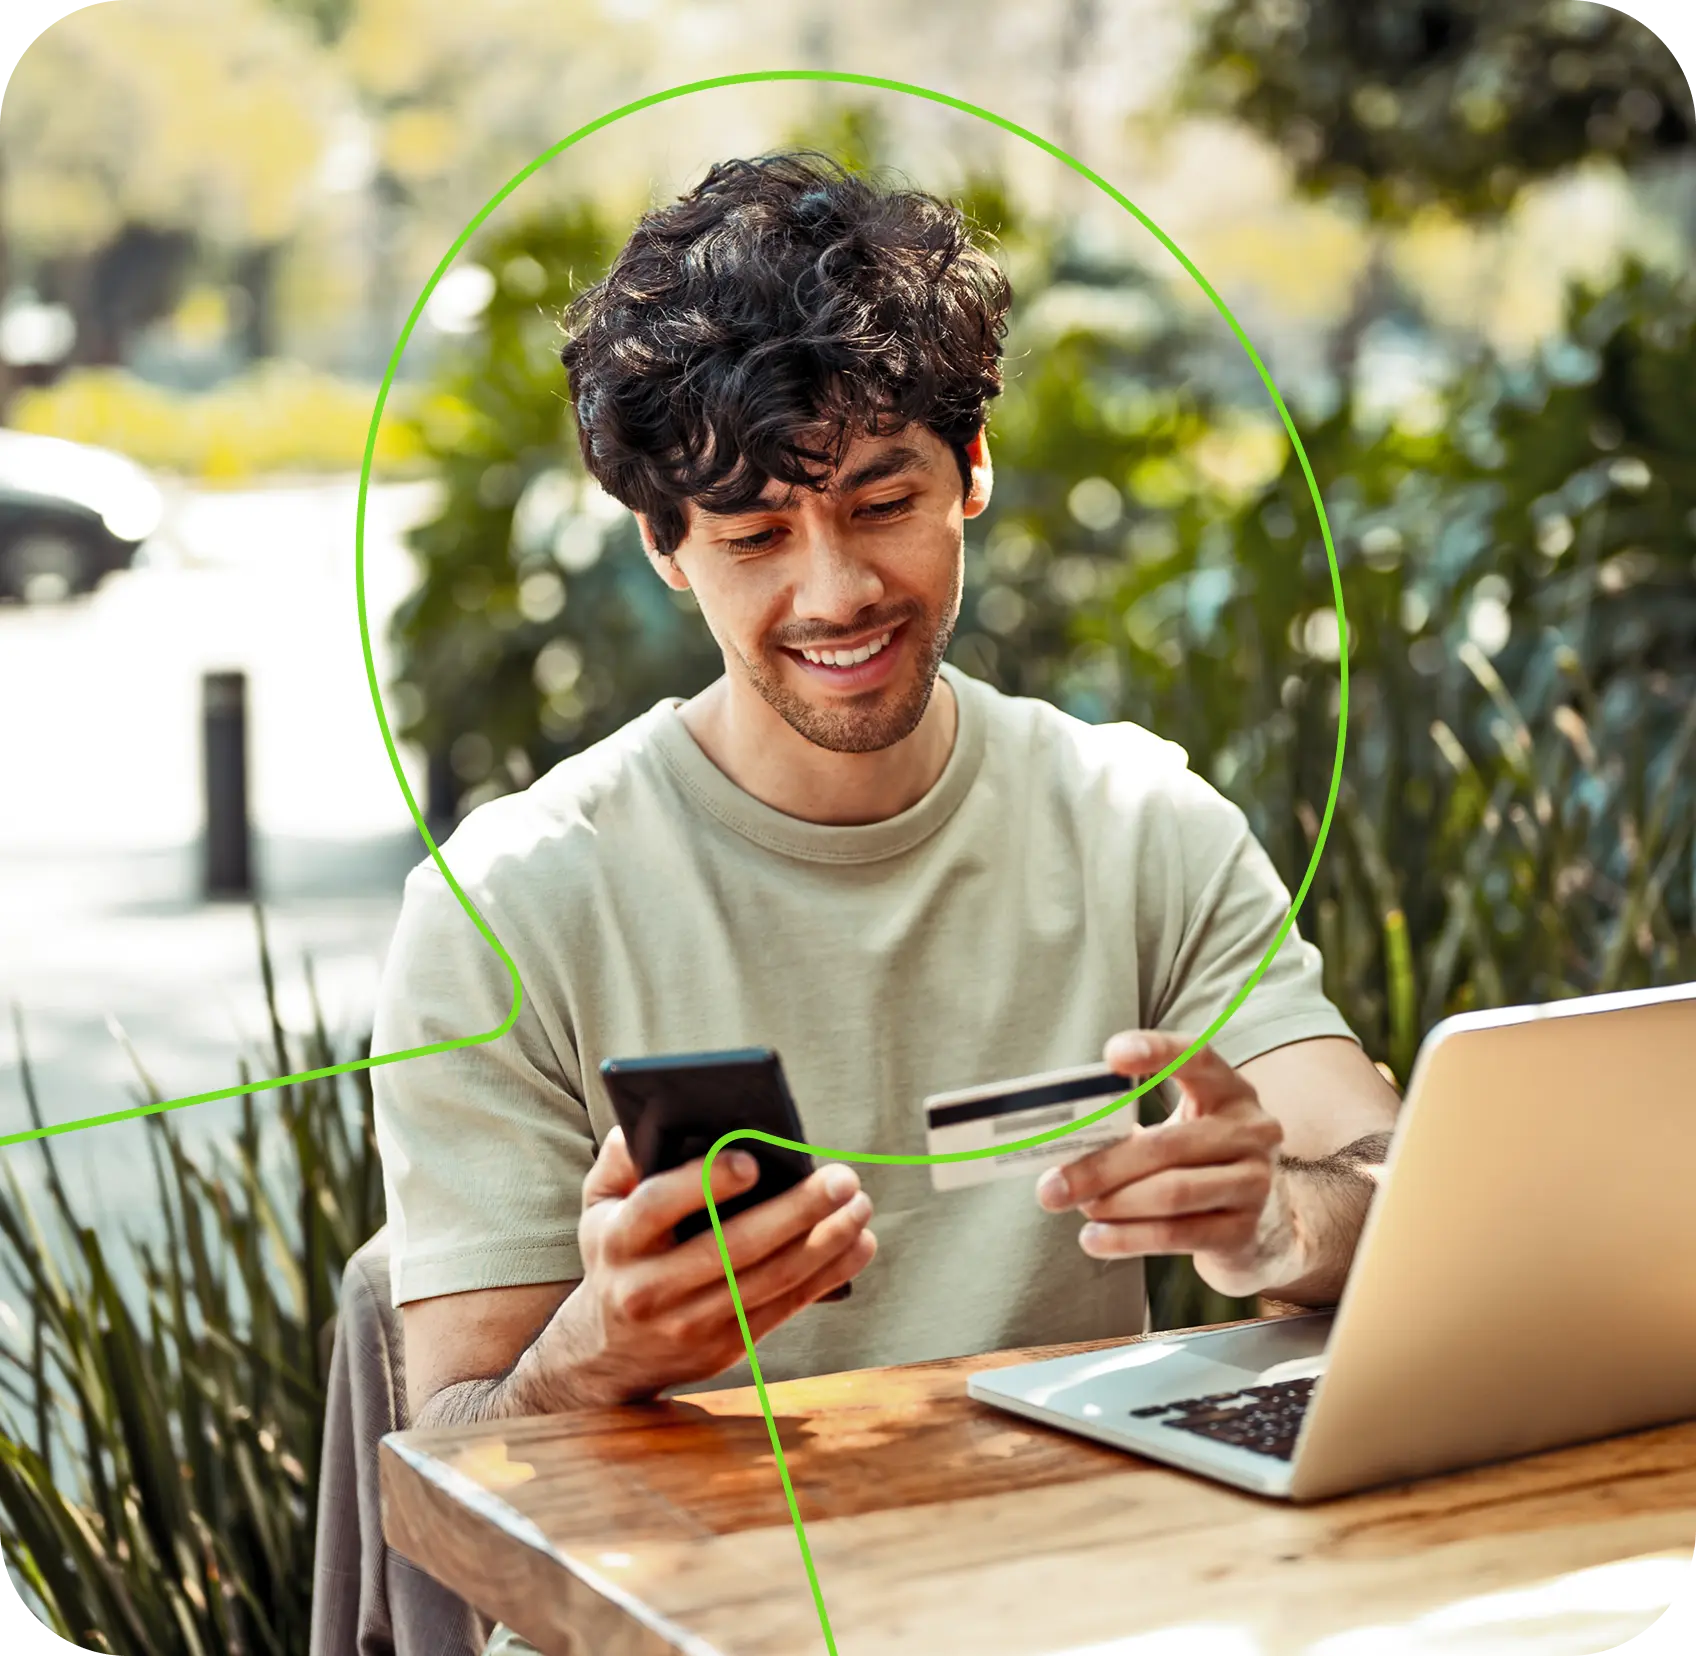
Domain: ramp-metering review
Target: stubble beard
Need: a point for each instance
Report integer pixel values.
(891, 714)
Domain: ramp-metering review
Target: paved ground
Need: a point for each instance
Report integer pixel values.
(100, 912)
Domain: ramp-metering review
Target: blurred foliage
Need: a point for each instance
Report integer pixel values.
(314, 155)
(328, 18)
(539, 627)
(1407, 102)
(1516, 815)
(454, 98)
(206, 116)
(278, 417)
(159, 1447)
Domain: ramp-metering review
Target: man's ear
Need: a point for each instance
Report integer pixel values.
(664, 565)
(983, 473)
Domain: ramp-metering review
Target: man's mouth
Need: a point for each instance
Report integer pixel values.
(856, 664)
(848, 657)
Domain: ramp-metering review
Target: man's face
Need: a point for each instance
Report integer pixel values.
(835, 607)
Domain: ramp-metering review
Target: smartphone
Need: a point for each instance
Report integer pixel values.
(675, 1108)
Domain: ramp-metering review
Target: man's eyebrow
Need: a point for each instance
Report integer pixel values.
(903, 457)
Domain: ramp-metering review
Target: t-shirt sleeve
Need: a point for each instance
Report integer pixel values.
(1232, 908)
(485, 1146)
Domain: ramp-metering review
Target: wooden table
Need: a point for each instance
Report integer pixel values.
(939, 1525)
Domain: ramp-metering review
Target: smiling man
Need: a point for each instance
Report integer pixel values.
(850, 851)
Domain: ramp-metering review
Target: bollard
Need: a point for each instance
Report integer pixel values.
(229, 838)
(441, 794)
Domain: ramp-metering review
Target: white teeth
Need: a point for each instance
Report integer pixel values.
(848, 658)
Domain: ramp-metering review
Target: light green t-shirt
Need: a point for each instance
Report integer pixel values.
(1059, 882)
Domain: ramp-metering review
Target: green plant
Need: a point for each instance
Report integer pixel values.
(159, 1447)
(1518, 810)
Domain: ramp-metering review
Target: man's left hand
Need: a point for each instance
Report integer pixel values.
(1206, 1181)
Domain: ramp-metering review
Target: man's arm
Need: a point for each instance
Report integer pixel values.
(648, 1312)
(1338, 1113)
(492, 1331)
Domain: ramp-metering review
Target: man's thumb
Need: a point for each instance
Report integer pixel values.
(614, 1173)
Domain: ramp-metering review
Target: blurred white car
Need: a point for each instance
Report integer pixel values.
(69, 514)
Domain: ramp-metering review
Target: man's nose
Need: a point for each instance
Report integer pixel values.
(834, 585)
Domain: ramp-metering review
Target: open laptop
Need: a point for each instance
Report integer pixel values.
(1526, 1277)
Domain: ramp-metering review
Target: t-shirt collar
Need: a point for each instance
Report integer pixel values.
(777, 831)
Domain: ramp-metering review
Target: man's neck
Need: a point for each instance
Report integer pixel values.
(766, 757)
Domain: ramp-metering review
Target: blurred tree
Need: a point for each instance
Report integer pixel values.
(141, 142)
(329, 18)
(460, 98)
(1402, 103)
(1405, 107)
(1517, 820)
(538, 627)
(1517, 575)
(9, 376)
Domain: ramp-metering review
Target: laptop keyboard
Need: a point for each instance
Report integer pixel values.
(1264, 1419)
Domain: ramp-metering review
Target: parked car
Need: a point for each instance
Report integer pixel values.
(70, 514)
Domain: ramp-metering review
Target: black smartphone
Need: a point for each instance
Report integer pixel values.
(676, 1107)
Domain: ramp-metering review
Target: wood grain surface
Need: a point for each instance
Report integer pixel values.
(939, 1524)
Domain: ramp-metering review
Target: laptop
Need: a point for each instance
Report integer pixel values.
(1526, 1278)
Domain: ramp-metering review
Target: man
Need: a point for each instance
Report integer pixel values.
(902, 880)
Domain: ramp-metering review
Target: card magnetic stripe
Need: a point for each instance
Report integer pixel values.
(1032, 1098)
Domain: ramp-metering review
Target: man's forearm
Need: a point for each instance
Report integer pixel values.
(543, 1380)
(1328, 1200)
(500, 1397)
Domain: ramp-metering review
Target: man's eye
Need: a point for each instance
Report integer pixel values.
(881, 510)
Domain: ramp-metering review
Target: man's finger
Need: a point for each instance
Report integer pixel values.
(765, 1230)
(751, 1236)
(1202, 1141)
(835, 1251)
(614, 1174)
(1206, 1080)
(1142, 1238)
(651, 1212)
(781, 1272)
(844, 1268)
(1179, 1192)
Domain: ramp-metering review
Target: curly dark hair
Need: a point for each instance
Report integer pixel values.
(783, 302)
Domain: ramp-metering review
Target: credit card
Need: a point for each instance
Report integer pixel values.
(979, 1118)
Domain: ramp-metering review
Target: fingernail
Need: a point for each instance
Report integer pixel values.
(861, 1207)
(1091, 1236)
(1132, 1051)
(743, 1165)
(1052, 1191)
(840, 1183)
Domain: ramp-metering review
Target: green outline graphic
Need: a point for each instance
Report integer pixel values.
(654, 99)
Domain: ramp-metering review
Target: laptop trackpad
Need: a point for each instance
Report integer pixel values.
(1155, 1370)
(1284, 1348)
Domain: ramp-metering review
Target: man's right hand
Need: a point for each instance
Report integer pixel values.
(652, 1313)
